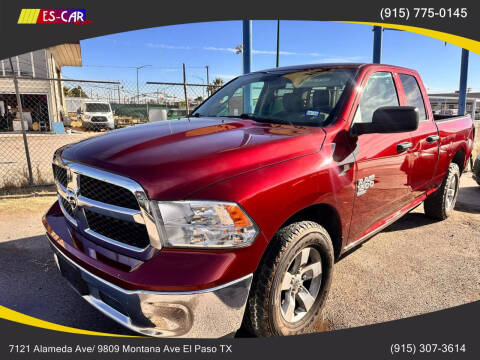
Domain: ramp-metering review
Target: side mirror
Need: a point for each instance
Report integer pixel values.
(389, 119)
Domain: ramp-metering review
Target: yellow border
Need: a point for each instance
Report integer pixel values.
(11, 315)
(463, 42)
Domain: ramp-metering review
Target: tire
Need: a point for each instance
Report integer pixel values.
(441, 203)
(268, 307)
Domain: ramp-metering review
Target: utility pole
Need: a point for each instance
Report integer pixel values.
(185, 90)
(138, 68)
(208, 81)
(278, 43)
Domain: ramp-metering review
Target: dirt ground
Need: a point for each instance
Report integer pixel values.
(415, 266)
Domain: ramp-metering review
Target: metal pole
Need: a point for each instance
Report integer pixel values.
(118, 92)
(462, 94)
(138, 94)
(278, 43)
(185, 90)
(474, 108)
(20, 110)
(247, 62)
(377, 44)
(247, 46)
(208, 81)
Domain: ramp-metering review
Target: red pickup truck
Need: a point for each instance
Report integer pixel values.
(234, 216)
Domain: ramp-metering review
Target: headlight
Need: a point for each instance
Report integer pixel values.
(206, 224)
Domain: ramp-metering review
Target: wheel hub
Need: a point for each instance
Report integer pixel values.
(296, 283)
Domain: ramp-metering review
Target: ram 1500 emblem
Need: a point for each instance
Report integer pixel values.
(364, 184)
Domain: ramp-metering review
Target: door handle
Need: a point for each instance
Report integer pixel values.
(432, 138)
(404, 146)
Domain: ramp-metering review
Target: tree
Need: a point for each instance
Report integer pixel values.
(217, 83)
(74, 92)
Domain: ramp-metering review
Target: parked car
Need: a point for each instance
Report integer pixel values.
(476, 169)
(236, 216)
(96, 115)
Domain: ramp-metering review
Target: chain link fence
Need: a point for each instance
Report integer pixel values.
(57, 111)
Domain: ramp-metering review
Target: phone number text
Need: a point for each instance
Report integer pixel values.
(427, 348)
(406, 13)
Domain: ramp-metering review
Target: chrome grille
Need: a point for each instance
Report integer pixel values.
(68, 208)
(104, 206)
(123, 231)
(108, 193)
(60, 174)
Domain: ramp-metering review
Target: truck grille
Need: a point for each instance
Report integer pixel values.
(97, 212)
(107, 193)
(68, 208)
(98, 119)
(60, 174)
(123, 231)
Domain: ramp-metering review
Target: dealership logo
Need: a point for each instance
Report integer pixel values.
(54, 16)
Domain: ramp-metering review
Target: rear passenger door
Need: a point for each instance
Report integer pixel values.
(381, 165)
(425, 139)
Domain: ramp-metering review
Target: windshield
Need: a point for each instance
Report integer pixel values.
(97, 107)
(307, 97)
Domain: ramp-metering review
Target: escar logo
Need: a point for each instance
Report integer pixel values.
(54, 16)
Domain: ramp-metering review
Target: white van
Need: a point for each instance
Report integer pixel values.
(96, 115)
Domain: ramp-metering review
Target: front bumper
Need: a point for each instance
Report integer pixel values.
(211, 313)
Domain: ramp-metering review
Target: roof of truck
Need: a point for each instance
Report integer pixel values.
(328, 65)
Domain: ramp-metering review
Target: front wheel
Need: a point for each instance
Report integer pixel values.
(440, 204)
(292, 282)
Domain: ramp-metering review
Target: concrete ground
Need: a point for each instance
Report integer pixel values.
(415, 266)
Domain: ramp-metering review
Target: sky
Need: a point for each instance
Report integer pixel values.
(113, 57)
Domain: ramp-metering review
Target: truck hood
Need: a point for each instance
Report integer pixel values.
(172, 159)
(103, 113)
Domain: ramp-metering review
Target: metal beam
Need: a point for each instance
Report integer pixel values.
(377, 44)
(247, 63)
(247, 46)
(278, 43)
(462, 93)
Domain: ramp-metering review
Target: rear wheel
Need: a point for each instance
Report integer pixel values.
(292, 282)
(440, 204)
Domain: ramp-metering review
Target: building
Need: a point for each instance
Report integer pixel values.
(447, 104)
(41, 95)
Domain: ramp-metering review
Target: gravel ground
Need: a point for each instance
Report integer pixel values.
(13, 163)
(415, 266)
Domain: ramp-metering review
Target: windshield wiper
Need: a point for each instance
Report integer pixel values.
(261, 119)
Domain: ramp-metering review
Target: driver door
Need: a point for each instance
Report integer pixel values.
(381, 165)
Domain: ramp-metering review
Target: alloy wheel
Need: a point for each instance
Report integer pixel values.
(301, 284)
